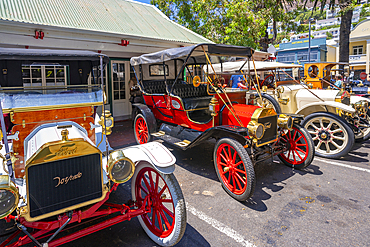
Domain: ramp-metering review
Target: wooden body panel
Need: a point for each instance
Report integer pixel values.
(26, 122)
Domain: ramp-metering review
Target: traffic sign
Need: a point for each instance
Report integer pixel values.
(363, 75)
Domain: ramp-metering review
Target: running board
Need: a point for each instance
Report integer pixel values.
(171, 140)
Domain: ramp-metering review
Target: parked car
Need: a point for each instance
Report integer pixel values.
(322, 76)
(334, 118)
(185, 106)
(58, 170)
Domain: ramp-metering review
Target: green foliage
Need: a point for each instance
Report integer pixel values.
(329, 27)
(304, 14)
(236, 22)
(329, 35)
(281, 36)
(364, 11)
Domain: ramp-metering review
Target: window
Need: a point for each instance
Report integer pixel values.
(119, 87)
(357, 50)
(157, 70)
(44, 75)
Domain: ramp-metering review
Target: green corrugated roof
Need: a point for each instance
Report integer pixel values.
(113, 16)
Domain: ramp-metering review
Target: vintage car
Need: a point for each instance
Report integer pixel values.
(334, 118)
(185, 106)
(58, 171)
(322, 76)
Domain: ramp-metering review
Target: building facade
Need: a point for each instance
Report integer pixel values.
(118, 28)
(297, 51)
(359, 50)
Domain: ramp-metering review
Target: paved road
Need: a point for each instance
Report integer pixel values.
(327, 204)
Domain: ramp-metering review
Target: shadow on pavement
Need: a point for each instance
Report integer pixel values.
(271, 176)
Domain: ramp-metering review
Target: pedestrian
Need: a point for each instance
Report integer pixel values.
(338, 81)
(235, 80)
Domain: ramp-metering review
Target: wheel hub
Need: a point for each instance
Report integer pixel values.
(324, 135)
(229, 167)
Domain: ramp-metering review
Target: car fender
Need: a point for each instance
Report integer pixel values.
(148, 115)
(154, 153)
(328, 106)
(355, 99)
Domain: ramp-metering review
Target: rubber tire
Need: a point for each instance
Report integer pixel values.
(363, 138)
(272, 101)
(247, 164)
(138, 116)
(179, 204)
(311, 149)
(345, 125)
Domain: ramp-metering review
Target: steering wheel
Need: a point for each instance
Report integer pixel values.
(268, 81)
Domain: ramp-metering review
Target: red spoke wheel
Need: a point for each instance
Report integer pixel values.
(234, 169)
(166, 222)
(141, 130)
(299, 148)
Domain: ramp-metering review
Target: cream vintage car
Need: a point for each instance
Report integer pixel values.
(334, 118)
(58, 172)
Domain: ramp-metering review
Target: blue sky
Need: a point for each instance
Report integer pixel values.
(143, 1)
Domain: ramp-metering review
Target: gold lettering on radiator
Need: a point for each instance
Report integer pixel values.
(267, 125)
(67, 179)
(65, 151)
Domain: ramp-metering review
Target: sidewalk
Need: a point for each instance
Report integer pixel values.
(122, 134)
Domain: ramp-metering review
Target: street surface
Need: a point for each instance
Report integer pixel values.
(327, 204)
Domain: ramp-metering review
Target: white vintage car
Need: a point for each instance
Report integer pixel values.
(58, 171)
(334, 118)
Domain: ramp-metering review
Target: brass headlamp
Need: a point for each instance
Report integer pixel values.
(255, 130)
(285, 122)
(9, 196)
(107, 129)
(361, 106)
(120, 168)
(212, 107)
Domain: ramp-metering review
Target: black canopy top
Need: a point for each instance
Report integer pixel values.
(48, 55)
(195, 51)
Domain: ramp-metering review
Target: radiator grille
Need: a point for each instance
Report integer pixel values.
(45, 196)
(271, 132)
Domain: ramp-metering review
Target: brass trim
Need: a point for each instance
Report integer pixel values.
(252, 129)
(265, 143)
(283, 121)
(52, 151)
(107, 130)
(43, 156)
(7, 184)
(114, 157)
(262, 112)
(205, 108)
(52, 107)
(11, 116)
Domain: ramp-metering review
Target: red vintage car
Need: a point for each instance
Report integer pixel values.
(186, 105)
(58, 171)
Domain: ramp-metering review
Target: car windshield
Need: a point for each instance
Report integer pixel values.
(50, 96)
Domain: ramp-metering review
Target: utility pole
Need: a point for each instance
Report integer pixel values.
(309, 39)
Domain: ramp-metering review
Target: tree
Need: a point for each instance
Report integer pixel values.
(346, 12)
(236, 22)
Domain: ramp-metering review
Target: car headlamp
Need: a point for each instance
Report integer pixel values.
(361, 106)
(120, 168)
(255, 129)
(9, 196)
(108, 123)
(285, 122)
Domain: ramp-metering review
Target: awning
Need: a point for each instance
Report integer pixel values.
(50, 55)
(232, 67)
(196, 54)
